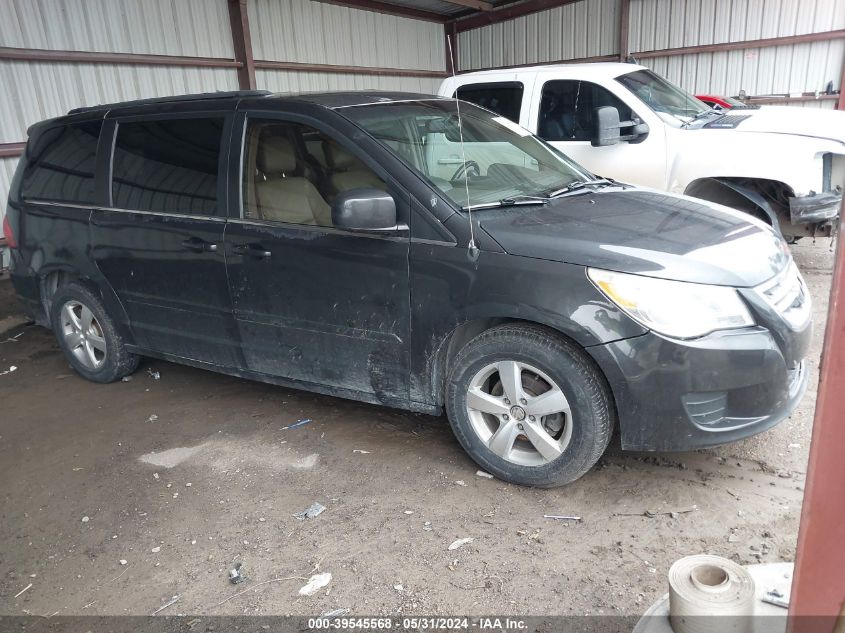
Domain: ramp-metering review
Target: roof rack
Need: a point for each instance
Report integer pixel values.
(231, 94)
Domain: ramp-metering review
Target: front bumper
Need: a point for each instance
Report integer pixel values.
(674, 395)
(815, 208)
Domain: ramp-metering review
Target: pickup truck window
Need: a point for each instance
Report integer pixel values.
(476, 159)
(567, 108)
(167, 165)
(293, 172)
(60, 164)
(503, 98)
(663, 97)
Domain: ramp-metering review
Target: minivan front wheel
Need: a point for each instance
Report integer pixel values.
(529, 406)
(88, 336)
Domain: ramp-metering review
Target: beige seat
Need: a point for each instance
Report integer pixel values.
(284, 197)
(316, 147)
(350, 173)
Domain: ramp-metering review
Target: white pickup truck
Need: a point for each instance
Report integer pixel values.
(784, 165)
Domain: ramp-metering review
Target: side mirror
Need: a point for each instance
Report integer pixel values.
(607, 126)
(639, 131)
(364, 209)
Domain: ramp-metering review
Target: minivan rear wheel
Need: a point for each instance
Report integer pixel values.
(88, 336)
(529, 406)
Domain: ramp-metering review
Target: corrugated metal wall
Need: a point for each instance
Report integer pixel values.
(33, 91)
(165, 27)
(320, 33)
(281, 30)
(38, 90)
(581, 29)
(796, 68)
(589, 28)
(287, 81)
(43, 90)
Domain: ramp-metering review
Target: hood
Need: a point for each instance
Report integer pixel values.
(643, 232)
(814, 123)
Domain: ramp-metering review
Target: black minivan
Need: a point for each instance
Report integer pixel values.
(412, 251)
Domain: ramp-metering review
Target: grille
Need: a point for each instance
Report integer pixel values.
(706, 409)
(729, 121)
(720, 410)
(787, 294)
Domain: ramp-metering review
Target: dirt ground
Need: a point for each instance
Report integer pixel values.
(185, 476)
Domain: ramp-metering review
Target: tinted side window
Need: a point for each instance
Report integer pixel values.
(293, 173)
(61, 164)
(567, 107)
(167, 165)
(502, 98)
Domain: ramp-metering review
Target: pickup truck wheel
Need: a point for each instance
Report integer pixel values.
(528, 406)
(88, 336)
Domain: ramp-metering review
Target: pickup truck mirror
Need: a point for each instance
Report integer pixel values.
(606, 124)
(364, 209)
(608, 128)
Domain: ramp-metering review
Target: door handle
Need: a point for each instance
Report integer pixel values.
(197, 245)
(252, 250)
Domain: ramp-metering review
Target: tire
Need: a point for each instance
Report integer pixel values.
(503, 440)
(88, 336)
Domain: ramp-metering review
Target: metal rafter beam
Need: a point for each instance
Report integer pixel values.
(840, 105)
(44, 55)
(267, 64)
(242, 42)
(10, 150)
(390, 9)
(624, 18)
(508, 12)
(769, 100)
(450, 37)
(822, 36)
(478, 5)
(579, 60)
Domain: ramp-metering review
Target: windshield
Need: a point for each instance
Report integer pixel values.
(677, 106)
(499, 160)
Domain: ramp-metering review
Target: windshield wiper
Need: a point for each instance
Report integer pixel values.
(511, 201)
(575, 186)
(700, 115)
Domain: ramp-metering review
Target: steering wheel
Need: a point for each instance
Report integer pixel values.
(469, 168)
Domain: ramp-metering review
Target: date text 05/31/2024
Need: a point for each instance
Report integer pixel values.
(417, 623)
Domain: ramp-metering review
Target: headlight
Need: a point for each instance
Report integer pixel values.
(673, 308)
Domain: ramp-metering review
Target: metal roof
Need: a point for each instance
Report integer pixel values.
(434, 6)
(444, 7)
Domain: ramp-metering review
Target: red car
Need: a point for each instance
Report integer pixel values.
(722, 103)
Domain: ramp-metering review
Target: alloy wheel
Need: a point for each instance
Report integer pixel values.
(83, 334)
(519, 412)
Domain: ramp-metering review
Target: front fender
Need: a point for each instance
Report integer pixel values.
(450, 291)
(796, 161)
